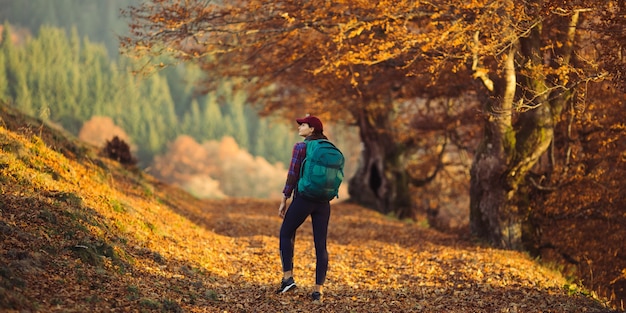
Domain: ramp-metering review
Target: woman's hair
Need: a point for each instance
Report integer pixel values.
(316, 135)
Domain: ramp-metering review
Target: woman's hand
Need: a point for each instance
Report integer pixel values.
(282, 209)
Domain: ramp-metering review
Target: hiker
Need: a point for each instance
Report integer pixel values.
(302, 205)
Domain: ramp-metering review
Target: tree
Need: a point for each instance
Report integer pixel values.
(213, 119)
(531, 61)
(49, 56)
(3, 78)
(192, 121)
(287, 72)
(528, 59)
(97, 20)
(235, 110)
(518, 58)
(582, 201)
(17, 83)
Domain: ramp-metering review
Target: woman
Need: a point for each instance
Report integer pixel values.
(300, 208)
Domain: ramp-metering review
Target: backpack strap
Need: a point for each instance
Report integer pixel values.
(306, 147)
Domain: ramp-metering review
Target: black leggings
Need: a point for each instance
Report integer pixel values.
(298, 211)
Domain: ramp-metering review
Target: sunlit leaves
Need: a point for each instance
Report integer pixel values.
(109, 239)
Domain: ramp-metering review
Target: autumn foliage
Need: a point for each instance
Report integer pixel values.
(523, 62)
(580, 205)
(100, 129)
(218, 169)
(80, 233)
(118, 150)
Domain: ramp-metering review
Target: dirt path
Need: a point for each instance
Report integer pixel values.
(376, 265)
(82, 234)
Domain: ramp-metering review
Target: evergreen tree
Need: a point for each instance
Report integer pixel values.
(98, 20)
(5, 39)
(95, 60)
(18, 89)
(229, 127)
(278, 142)
(258, 132)
(68, 80)
(127, 112)
(192, 121)
(11, 63)
(158, 114)
(23, 98)
(240, 121)
(234, 103)
(78, 79)
(74, 83)
(213, 120)
(3, 78)
(181, 80)
(49, 63)
(256, 127)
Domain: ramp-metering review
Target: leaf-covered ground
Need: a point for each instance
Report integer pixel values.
(81, 234)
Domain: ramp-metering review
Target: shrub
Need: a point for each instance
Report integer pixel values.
(119, 150)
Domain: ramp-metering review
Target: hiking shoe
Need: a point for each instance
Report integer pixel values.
(286, 285)
(316, 296)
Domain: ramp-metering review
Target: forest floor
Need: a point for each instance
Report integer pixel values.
(83, 234)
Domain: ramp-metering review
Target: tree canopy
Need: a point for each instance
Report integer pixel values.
(523, 61)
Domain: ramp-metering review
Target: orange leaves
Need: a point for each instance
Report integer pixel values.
(123, 241)
(286, 16)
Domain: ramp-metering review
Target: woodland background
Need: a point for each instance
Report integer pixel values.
(62, 65)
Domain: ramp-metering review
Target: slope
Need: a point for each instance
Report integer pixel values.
(81, 233)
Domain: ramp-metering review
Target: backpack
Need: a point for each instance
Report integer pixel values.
(321, 172)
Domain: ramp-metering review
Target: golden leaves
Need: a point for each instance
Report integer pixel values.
(166, 250)
(286, 16)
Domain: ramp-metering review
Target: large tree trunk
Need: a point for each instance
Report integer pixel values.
(494, 214)
(497, 207)
(381, 181)
(510, 149)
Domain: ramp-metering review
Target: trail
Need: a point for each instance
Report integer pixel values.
(80, 233)
(377, 264)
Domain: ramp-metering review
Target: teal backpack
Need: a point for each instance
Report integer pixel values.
(321, 172)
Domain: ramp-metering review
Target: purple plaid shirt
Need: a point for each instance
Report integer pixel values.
(293, 175)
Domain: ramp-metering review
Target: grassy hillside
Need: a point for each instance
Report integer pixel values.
(80, 233)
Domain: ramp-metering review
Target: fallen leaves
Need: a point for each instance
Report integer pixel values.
(119, 241)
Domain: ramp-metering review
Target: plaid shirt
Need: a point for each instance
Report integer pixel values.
(293, 175)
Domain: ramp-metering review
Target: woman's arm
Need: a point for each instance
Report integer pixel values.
(293, 174)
